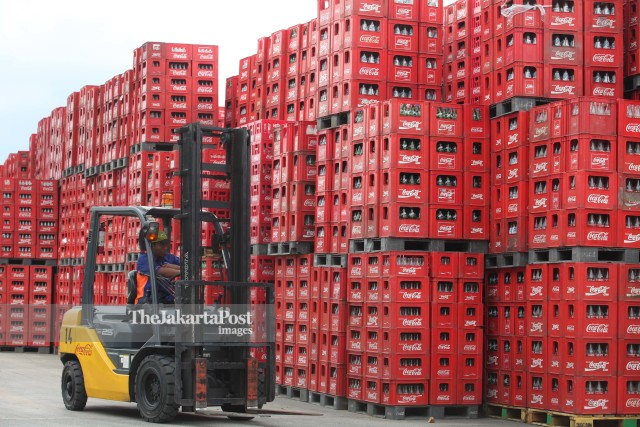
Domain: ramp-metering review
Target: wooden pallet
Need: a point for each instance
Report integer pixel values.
(552, 418)
(505, 412)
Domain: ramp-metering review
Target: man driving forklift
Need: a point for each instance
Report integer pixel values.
(167, 268)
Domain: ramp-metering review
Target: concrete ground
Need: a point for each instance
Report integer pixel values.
(30, 396)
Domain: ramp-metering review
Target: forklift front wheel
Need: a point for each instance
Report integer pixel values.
(73, 393)
(155, 389)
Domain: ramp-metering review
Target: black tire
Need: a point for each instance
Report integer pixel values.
(74, 395)
(155, 392)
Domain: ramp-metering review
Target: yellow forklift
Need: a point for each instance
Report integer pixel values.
(184, 355)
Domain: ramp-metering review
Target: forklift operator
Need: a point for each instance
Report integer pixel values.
(167, 268)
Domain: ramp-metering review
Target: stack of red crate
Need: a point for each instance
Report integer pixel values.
(462, 52)
(173, 85)
(71, 218)
(457, 324)
(628, 168)
(574, 181)
(263, 138)
(294, 186)
(17, 165)
(505, 338)
(509, 182)
(54, 157)
(46, 214)
(560, 52)
(294, 299)
(230, 102)
(18, 306)
(332, 188)
(41, 305)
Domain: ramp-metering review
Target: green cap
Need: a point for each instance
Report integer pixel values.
(162, 237)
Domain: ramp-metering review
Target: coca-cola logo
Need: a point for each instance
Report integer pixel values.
(633, 329)
(633, 403)
(539, 239)
(445, 194)
(369, 71)
(600, 236)
(404, 159)
(633, 127)
(604, 57)
(309, 203)
(561, 90)
(444, 347)
(600, 199)
(536, 363)
(536, 399)
(540, 203)
(597, 328)
(633, 366)
(513, 139)
(540, 167)
(477, 230)
(633, 167)
(403, 43)
(446, 161)
(597, 366)
(412, 372)
(412, 347)
(412, 295)
(563, 54)
(405, 124)
(409, 194)
(598, 290)
(596, 403)
(403, 75)
(356, 271)
(513, 173)
(412, 322)
(599, 161)
(446, 128)
(370, 7)
(536, 327)
(446, 229)
(512, 208)
(563, 21)
(632, 238)
(370, 39)
(544, 130)
(408, 270)
(604, 23)
(409, 228)
(604, 91)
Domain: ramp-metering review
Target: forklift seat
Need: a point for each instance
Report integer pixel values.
(132, 287)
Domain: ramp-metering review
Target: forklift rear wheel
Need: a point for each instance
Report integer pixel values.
(73, 393)
(155, 391)
(240, 409)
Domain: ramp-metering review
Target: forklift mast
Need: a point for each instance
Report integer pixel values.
(235, 247)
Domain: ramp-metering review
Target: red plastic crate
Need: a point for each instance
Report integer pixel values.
(563, 81)
(563, 47)
(603, 82)
(476, 155)
(590, 395)
(599, 17)
(590, 190)
(406, 118)
(400, 151)
(628, 152)
(405, 290)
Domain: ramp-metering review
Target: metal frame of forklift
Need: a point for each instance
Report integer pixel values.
(226, 363)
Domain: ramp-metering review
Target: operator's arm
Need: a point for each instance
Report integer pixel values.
(169, 271)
